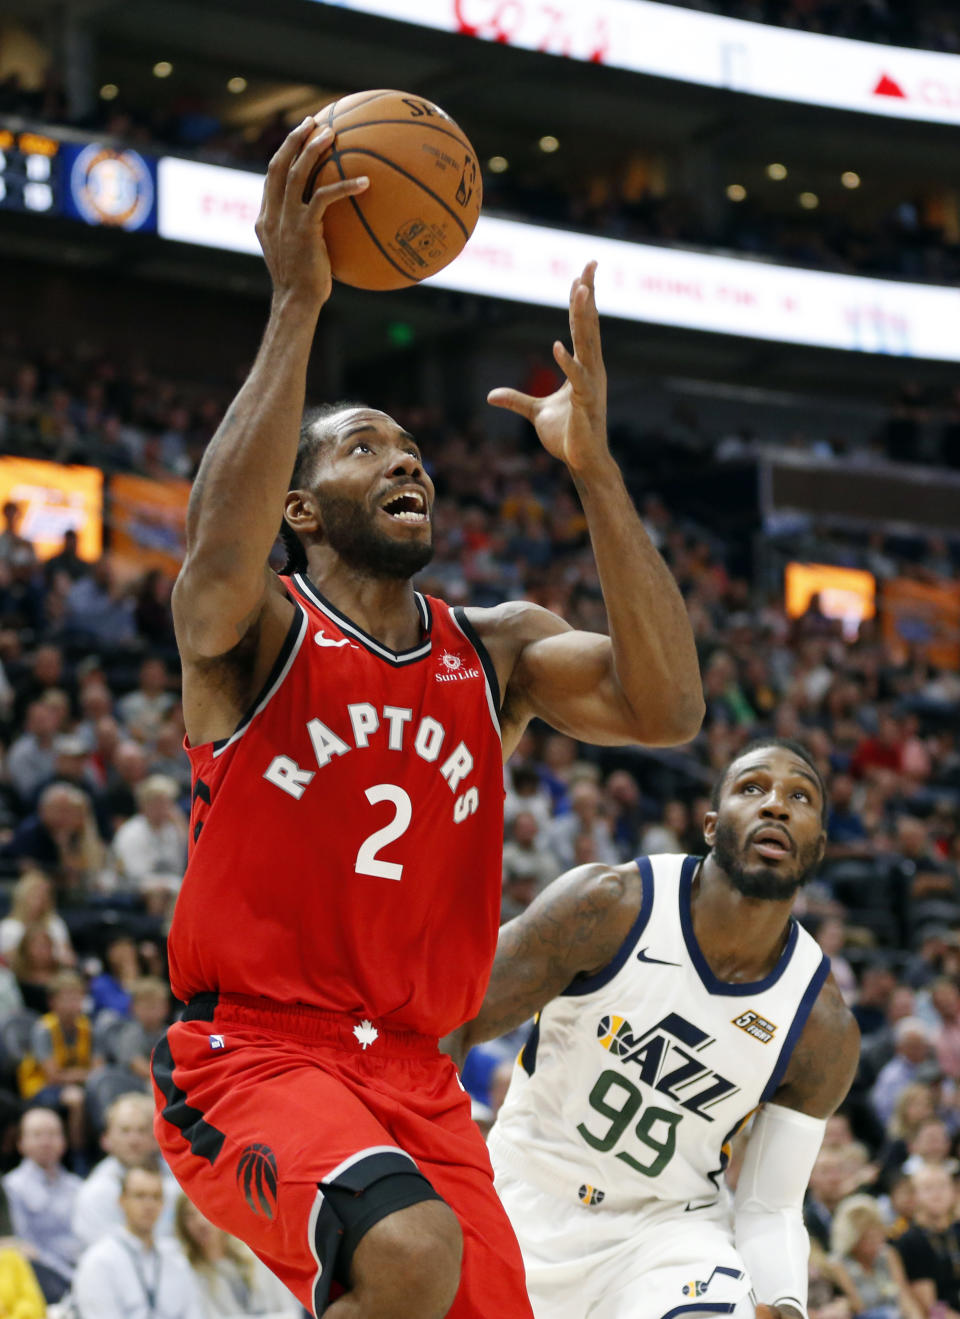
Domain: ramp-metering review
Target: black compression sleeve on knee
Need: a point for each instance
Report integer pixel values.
(358, 1211)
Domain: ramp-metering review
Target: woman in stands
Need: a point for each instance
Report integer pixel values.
(230, 1278)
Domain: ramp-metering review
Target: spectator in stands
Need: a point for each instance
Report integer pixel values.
(169, 757)
(46, 673)
(62, 839)
(32, 903)
(20, 1293)
(828, 1185)
(112, 988)
(131, 1272)
(930, 1250)
(61, 1058)
(131, 1045)
(144, 710)
(913, 1047)
(585, 816)
(34, 963)
(884, 751)
(229, 1277)
(150, 849)
(846, 831)
(926, 876)
(930, 1147)
(31, 758)
(127, 770)
(945, 998)
(525, 792)
(129, 1142)
(100, 610)
(14, 548)
(40, 1195)
(877, 983)
(526, 856)
(870, 1271)
(66, 560)
(914, 1106)
(831, 935)
(665, 834)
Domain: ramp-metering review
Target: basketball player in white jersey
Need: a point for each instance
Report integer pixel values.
(675, 997)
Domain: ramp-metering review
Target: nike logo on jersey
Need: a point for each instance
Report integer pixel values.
(643, 956)
(321, 640)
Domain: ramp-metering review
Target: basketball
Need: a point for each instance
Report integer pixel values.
(424, 196)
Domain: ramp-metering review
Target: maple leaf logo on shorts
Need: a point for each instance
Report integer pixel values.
(366, 1033)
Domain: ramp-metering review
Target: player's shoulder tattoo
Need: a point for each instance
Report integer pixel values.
(824, 1062)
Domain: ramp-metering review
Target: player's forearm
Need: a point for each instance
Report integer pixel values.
(236, 504)
(654, 653)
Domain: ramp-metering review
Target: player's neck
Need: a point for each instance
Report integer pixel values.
(741, 938)
(384, 607)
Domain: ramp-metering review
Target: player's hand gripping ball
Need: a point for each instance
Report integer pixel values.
(424, 196)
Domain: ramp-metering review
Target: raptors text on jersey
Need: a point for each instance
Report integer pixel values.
(346, 839)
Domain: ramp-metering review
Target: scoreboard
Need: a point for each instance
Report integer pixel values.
(30, 165)
(94, 182)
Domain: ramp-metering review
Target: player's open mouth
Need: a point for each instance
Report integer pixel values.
(408, 506)
(772, 843)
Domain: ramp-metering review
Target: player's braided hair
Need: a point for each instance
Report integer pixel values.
(312, 437)
(788, 744)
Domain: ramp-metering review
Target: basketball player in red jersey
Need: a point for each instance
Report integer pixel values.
(340, 908)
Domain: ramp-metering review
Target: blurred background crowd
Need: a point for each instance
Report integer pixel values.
(119, 353)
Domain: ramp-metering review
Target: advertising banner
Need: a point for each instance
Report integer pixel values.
(54, 499)
(924, 617)
(845, 593)
(217, 207)
(671, 42)
(147, 523)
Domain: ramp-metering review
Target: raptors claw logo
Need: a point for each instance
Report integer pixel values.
(257, 1179)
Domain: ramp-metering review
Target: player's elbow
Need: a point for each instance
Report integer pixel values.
(668, 720)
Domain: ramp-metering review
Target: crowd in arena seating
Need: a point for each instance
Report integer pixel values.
(927, 24)
(95, 794)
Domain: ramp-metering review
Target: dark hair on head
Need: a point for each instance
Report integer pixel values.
(312, 437)
(787, 744)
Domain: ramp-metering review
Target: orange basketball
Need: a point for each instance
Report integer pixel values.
(424, 196)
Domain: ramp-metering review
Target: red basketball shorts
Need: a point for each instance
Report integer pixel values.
(259, 1107)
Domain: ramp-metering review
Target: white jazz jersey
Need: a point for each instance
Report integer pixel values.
(634, 1080)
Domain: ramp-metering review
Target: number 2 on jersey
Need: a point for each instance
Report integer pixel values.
(620, 1117)
(367, 862)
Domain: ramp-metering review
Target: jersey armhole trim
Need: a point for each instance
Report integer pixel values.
(281, 667)
(459, 615)
(810, 996)
(587, 984)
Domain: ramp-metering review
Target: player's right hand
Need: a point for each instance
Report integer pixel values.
(290, 230)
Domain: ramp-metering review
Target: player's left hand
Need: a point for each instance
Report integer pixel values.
(572, 422)
(777, 1312)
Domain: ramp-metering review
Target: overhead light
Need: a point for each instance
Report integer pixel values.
(776, 171)
(548, 143)
(498, 164)
(809, 201)
(737, 192)
(237, 85)
(849, 179)
(163, 69)
(109, 91)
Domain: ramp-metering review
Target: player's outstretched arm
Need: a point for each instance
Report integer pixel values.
(573, 927)
(642, 684)
(783, 1146)
(236, 504)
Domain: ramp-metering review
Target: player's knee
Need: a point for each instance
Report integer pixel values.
(408, 1264)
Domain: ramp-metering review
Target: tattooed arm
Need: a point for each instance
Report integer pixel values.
(573, 927)
(824, 1062)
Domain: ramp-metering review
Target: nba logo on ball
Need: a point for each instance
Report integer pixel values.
(257, 1179)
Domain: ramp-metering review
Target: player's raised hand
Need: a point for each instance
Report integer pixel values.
(572, 422)
(290, 223)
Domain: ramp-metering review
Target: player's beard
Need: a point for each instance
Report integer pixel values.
(349, 531)
(762, 882)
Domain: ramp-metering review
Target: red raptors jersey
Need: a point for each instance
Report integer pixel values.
(346, 841)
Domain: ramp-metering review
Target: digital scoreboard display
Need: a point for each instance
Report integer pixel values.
(30, 173)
